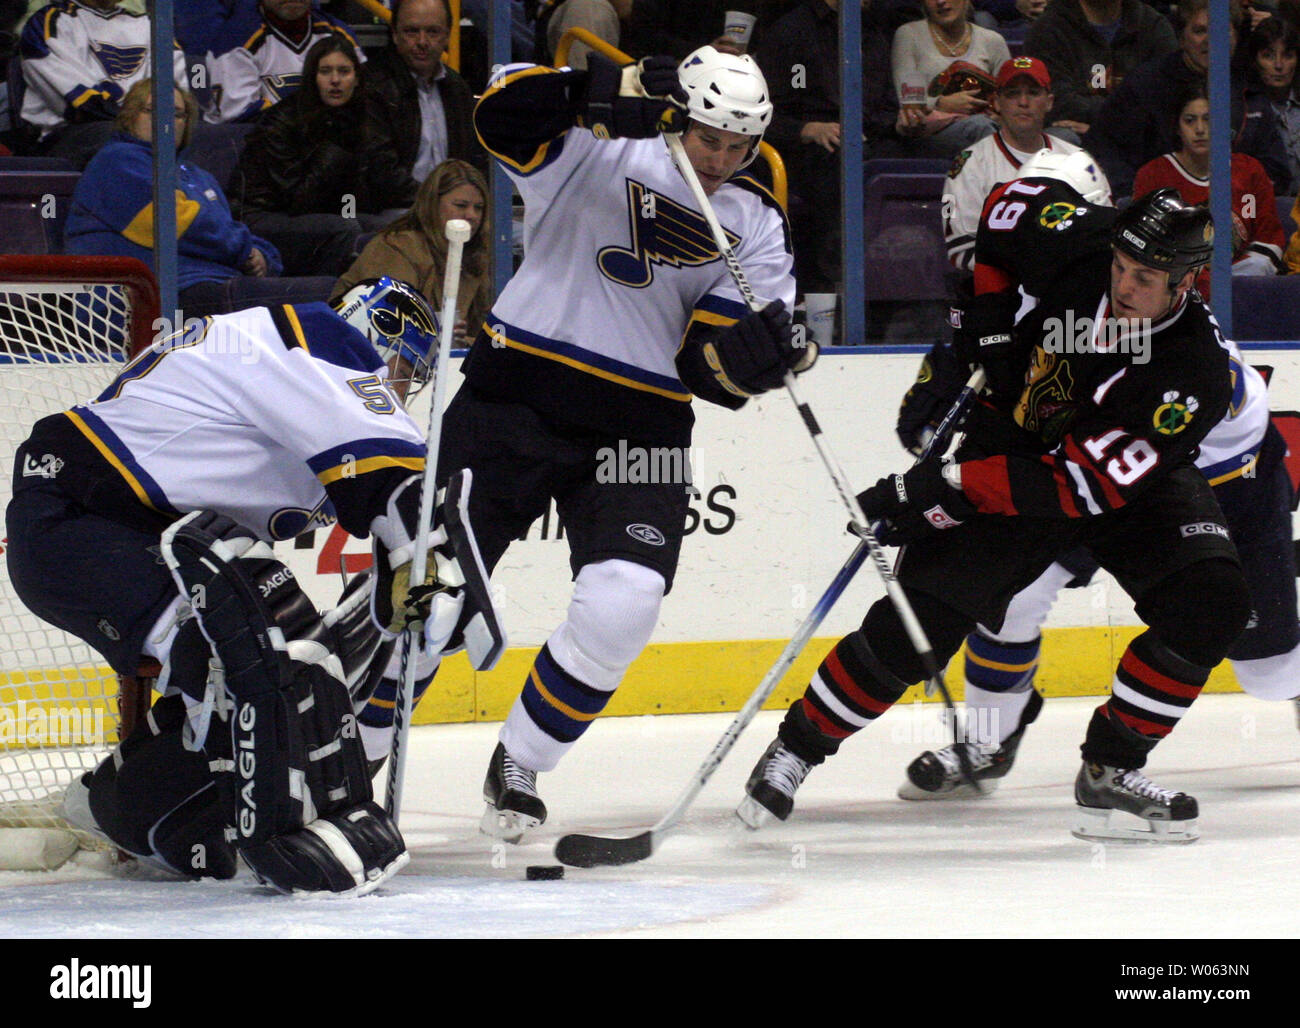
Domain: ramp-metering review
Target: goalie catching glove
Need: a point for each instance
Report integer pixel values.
(454, 602)
(925, 499)
(633, 101)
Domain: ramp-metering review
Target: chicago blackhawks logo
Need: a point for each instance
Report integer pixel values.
(663, 232)
(1057, 217)
(1174, 415)
(1048, 403)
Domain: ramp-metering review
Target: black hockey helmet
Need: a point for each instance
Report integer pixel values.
(1161, 231)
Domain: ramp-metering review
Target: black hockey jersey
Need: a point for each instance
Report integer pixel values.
(1108, 406)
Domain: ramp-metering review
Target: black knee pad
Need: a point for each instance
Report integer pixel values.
(945, 628)
(1200, 611)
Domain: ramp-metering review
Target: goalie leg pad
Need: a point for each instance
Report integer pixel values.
(349, 852)
(480, 625)
(161, 802)
(296, 751)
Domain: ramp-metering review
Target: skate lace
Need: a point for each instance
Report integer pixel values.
(1139, 784)
(980, 758)
(518, 778)
(786, 771)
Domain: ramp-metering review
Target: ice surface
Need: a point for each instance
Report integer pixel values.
(853, 861)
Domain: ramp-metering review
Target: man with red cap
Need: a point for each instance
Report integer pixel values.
(1023, 100)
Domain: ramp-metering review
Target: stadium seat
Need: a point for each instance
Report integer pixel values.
(904, 166)
(34, 206)
(905, 254)
(1266, 307)
(216, 149)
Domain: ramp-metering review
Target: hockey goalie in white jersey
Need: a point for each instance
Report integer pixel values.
(146, 532)
(620, 314)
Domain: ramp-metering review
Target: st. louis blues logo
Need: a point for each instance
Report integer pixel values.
(119, 62)
(663, 232)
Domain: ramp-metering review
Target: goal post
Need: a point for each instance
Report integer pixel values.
(67, 326)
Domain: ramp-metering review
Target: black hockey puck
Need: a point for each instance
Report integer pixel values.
(544, 872)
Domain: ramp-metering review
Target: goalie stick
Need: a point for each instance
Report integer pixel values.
(915, 633)
(597, 851)
(458, 234)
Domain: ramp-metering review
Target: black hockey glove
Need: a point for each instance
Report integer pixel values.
(633, 101)
(983, 336)
(915, 504)
(753, 355)
(937, 384)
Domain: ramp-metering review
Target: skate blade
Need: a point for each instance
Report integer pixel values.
(753, 815)
(506, 825)
(960, 791)
(1096, 825)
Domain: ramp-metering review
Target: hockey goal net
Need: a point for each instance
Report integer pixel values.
(67, 326)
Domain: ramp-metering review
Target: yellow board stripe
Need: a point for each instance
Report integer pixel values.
(111, 457)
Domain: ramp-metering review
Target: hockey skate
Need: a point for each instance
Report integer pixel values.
(1123, 804)
(772, 785)
(936, 775)
(513, 806)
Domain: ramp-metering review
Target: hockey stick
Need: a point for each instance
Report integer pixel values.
(915, 633)
(458, 234)
(596, 851)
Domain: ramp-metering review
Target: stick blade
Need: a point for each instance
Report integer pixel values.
(593, 851)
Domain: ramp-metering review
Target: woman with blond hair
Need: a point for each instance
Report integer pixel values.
(221, 265)
(414, 247)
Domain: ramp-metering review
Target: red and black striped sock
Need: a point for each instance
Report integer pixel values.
(850, 689)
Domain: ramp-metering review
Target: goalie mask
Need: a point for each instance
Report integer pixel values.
(728, 92)
(1078, 170)
(398, 322)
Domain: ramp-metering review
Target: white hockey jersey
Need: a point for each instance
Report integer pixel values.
(79, 61)
(619, 263)
(975, 171)
(279, 418)
(1231, 447)
(254, 66)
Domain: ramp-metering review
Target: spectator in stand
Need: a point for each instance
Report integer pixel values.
(679, 27)
(1271, 68)
(414, 247)
(200, 23)
(1257, 238)
(805, 126)
(954, 62)
(1137, 122)
(309, 179)
(418, 112)
(1090, 45)
(257, 60)
(604, 19)
(1023, 99)
(1006, 14)
(78, 60)
(222, 265)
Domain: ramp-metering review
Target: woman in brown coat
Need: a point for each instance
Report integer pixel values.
(414, 247)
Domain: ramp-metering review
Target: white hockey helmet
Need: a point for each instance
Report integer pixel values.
(1079, 170)
(726, 91)
(398, 321)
